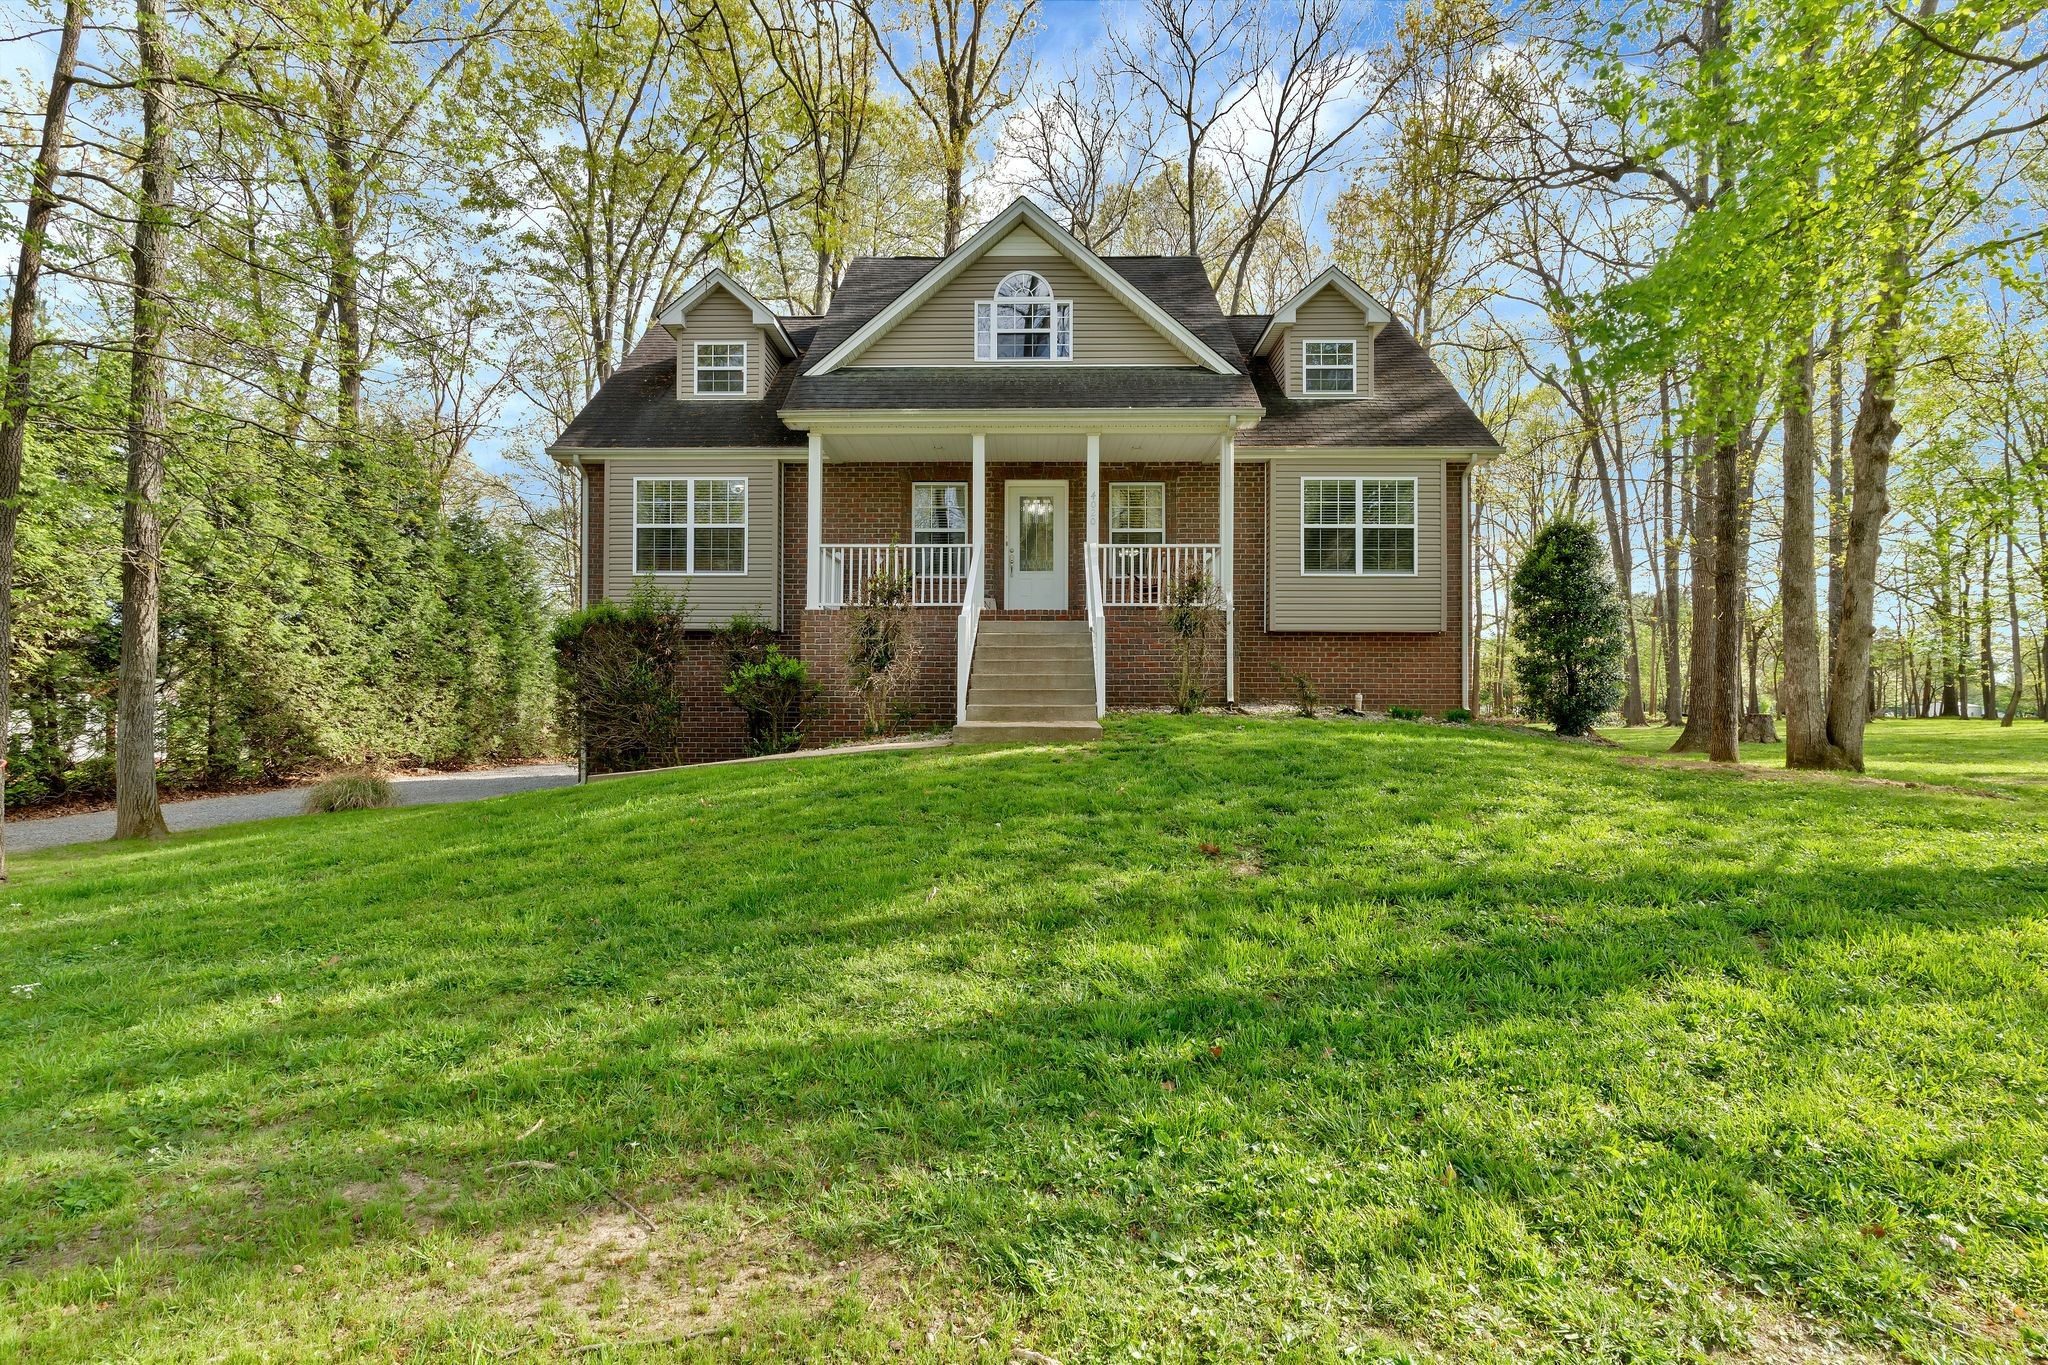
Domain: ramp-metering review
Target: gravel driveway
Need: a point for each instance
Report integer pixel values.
(204, 812)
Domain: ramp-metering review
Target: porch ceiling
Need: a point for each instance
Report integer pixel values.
(1017, 447)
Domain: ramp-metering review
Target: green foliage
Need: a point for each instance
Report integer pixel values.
(771, 689)
(1403, 713)
(1568, 625)
(1306, 698)
(349, 791)
(1191, 617)
(619, 670)
(1441, 999)
(1457, 715)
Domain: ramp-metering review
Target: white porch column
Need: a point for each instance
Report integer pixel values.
(1226, 555)
(978, 496)
(814, 530)
(1094, 490)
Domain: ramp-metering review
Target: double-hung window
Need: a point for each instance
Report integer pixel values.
(938, 514)
(1357, 526)
(1329, 367)
(1137, 514)
(938, 530)
(1023, 321)
(722, 368)
(693, 526)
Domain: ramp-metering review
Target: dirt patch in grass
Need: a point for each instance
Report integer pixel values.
(607, 1277)
(1777, 1337)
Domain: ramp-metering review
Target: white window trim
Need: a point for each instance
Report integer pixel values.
(697, 368)
(1062, 313)
(966, 530)
(690, 527)
(1306, 391)
(1359, 525)
(1109, 512)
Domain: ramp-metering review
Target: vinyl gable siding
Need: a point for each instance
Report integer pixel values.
(1329, 316)
(1354, 602)
(719, 317)
(714, 598)
(940, 331)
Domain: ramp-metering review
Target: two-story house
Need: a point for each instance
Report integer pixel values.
(1044, 442)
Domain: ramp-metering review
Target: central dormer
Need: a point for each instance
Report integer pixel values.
(729, 345)
(1022, 293)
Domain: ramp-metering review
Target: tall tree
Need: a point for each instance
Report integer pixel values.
(16, 387)
(961, 67)
(136, 812)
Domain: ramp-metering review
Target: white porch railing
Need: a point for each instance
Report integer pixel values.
(936, 574)
(1147, 575)
(970, 623)
(1098, 630)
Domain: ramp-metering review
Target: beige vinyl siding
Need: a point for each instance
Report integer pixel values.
(1298, 601)
(1329, 316)
(940, 331)
(719, 316)
(713, 597)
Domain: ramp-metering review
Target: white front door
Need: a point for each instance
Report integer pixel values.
(1035, 545)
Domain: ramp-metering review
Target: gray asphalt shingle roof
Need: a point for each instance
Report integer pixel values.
(637, 408)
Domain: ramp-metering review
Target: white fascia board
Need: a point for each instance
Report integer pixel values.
(1073, 421)
(1023, 210)
(1376, 315)
(677, 313)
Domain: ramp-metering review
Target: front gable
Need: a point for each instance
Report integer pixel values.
(933, 323)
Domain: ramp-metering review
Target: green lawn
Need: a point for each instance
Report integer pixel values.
(1222, 1040)
(1950, 752)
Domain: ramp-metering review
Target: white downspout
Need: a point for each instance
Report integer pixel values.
(1226, 555)
(814, 530)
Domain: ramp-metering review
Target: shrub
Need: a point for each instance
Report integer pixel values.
(618, 670)
(1306, 698)
(1191, 616)
(350, 791)
(771, 689)
(1457, 715)
(1403, 713)
(881, 651)
(1568, 625)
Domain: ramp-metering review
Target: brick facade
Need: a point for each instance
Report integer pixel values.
(870, 503)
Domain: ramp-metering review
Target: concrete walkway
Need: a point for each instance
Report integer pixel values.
(204, 812)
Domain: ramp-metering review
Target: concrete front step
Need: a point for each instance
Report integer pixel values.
(1031, 711)
(1026, 732)
(1072, 694)
(1032, 630)
(1055, 648)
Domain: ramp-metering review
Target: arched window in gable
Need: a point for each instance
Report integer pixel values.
(1023, 321)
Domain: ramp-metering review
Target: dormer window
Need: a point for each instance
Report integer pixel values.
(1023, 321)
(1329, 367)
(722, 368)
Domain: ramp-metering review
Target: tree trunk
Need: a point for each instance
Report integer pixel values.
(1836, 492)
(136, 813)
(1870, 458)
(1615, 513)
(2012, 605)
(1724, 733)
(1700, 670)
(1673, 682)
(15, 387)
(1806, 726)
(1987, 662)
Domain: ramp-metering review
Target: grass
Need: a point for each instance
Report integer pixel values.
(1945, 752)
(1225, 1039)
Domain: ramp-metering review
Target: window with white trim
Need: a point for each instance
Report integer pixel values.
(692, 526)
(722, 368)
(1137, 514)
(1329, 367)
(1023, 321)
(1357, 526)
(938, 514)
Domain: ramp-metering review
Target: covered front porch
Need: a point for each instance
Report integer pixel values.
(1079, 526)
